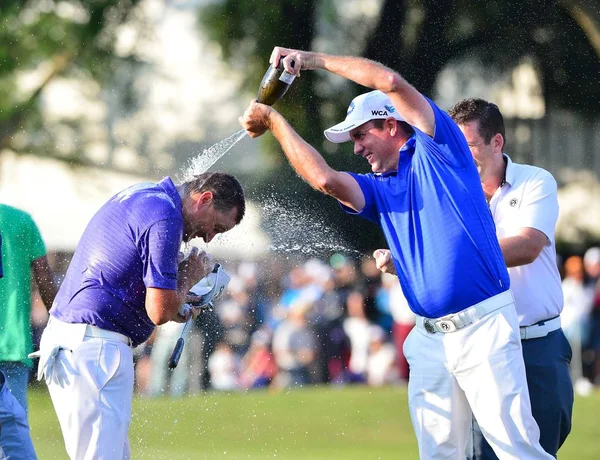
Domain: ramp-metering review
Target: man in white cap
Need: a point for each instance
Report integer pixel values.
(424, 192)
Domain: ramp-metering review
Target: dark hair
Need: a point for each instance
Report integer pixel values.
(486, 113)
(227, 191)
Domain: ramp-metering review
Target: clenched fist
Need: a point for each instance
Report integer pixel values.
(383, 261)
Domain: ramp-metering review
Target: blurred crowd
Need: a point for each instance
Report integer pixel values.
(288, 322)
(580, 317)
(309, 322)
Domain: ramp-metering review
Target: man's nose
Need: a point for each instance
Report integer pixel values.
(358, 148)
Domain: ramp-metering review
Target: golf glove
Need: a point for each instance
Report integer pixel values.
(209, 288)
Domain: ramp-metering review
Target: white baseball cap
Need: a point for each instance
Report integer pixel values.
(363, 108)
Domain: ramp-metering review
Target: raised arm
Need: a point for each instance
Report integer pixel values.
(305, 160)
(411, 104)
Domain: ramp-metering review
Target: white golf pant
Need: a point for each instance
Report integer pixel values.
(91, 386)
(476, 369)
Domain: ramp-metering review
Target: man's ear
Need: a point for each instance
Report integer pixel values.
(204, 198)
(391, 124)
(498, 142)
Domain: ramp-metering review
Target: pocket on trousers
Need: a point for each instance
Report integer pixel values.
(406, 349)
(109, 361)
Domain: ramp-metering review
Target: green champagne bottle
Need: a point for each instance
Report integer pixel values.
(274, 84)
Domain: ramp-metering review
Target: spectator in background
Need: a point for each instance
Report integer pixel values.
(294, 283)
(294, 347)
(371, 279)
(236, 317)
(383, 311)
(575, 316)
(345, 275)
(326, 317)
(24, 255)
(258, 368)
(223, 366)
(323, 315)
(206, 334)
(356, 327)
(381, 368)
(161, 380)
(257, 303)
(591, 262)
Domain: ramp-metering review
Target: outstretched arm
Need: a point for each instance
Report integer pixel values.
(305, 160)
(409, 102)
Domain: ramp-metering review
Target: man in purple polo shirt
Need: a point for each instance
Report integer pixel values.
(424, 192)
(125, 279)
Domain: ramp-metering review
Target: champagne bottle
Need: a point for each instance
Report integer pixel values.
(274, 84)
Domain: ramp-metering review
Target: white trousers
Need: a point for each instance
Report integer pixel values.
(91, 386)
(476, 370)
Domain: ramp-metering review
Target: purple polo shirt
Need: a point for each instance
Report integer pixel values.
(130, 244)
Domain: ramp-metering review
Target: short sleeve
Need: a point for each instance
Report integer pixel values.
(158, 247)
(449, 143)
(539, 208)
(366, 182)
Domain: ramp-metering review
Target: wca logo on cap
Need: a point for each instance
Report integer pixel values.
(383, 113)
(350, 108)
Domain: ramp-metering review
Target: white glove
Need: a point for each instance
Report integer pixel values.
(210, 287)
(48, 365)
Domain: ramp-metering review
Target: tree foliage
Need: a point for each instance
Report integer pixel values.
(416, 37)
(49, 38)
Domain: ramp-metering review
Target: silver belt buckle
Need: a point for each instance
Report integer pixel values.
(446, 325)
(429, 327)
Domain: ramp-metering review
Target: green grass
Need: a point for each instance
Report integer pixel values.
(313, 423)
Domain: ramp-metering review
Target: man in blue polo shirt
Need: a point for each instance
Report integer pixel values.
(123, 280)
(465, 353)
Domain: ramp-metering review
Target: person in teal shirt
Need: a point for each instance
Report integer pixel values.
(15, 438)
(23, 256)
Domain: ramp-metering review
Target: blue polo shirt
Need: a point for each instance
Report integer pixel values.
(130, 244)
(437, 223)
